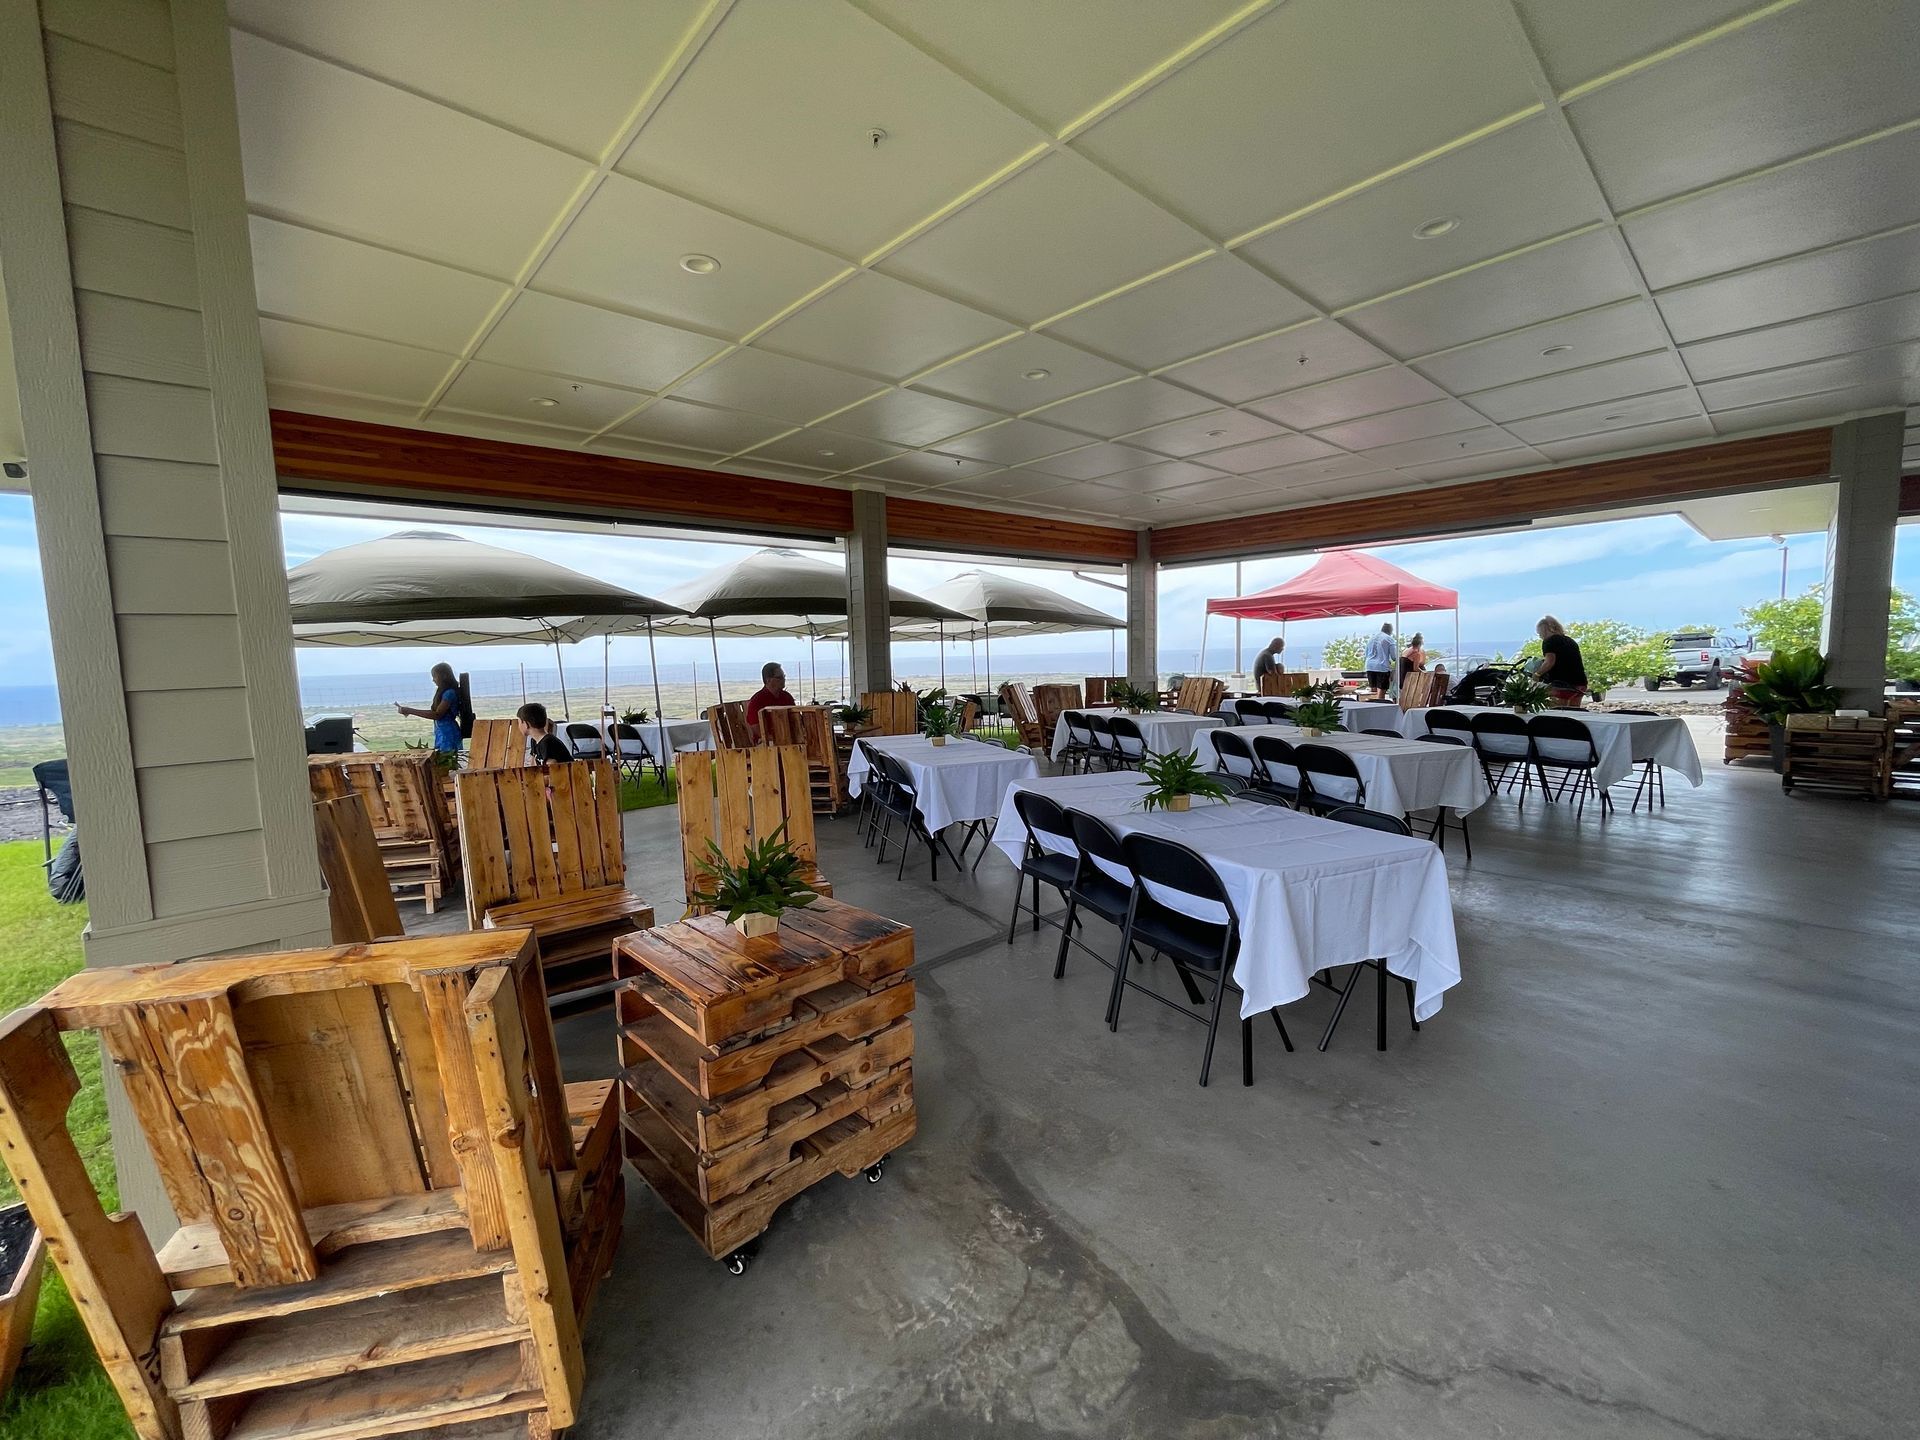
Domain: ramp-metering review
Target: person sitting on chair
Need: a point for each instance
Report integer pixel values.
(1269, 661)
(1413, 658)
(537, 729)
(772, 691)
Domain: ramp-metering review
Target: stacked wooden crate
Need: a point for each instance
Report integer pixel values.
(392, 1209)
(405, 796)
(753, 1068)
(1903, 716)
(1832, 752)
(1746, 733)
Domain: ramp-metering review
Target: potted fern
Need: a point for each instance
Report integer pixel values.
(1523, 694)
(1131, 698)
(1792, 682)
(634, 717)
(937, 721)
(756, 888)
(853, 718)
(1172, 780)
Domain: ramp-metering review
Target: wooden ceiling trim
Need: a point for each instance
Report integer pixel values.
(1725, 467)
(958, 527)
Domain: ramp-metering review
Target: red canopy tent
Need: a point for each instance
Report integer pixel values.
(1341, 582)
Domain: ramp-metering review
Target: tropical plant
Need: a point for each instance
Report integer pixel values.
(1523, 692)
(1794, 624)
(1176, 773)
(1132, 697)
(1613, 652)
(938, 720)
(446, 760)
(1345, 652)
(764, 881)
(1793, 682)
(634, 717)
(1316, 710)
(853, 716)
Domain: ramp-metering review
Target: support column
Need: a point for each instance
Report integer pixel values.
(1143, 615)
(1859, 583)
(124, 252)
(870, 639)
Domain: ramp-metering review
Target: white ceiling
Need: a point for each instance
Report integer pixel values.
(1193, 224)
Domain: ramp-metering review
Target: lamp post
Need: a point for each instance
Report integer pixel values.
(1781, 541)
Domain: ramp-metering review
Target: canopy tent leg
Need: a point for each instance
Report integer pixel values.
(566, 710)
(1393, 671)
(1204, 619)
(1458, 664)
(813, 659)
(1239, 665)
(606, 673)
(659, 711)
(719, 686)
(989, 632)
(973, 650)
(943, 654)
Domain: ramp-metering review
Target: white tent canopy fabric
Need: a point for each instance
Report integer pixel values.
(781, 592)
(1010, 606)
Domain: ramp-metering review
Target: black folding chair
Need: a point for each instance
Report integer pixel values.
(1560, 742)
(1450, 723)
(1038, 864)
(1232, 755)
(1329, 778)
(634, 755)
(1384, 734)
(1078, 753)
(901, 802)
(1100, 731)
(1278, 712)
(1502, 740)
(1653, 780)
(1367, 820)
(1129, 745)
(1094, 888)
(586, 741)
(1279, 770)
(872, 789)
(1438, 834)
(1196, 947)
(56, 792)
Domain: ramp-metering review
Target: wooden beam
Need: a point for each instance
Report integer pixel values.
(1910, 494)
(957, 527)
(1727, 466)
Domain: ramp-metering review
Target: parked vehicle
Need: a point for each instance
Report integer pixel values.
(1699, 657)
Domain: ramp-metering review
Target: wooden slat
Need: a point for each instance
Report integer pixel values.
(359, 899)
(131, 1052)
(419, 1072)
(798, 812)
(949, 527)
(443, 997)
(570, 846)
(734, 824)
(766, 797)
(694, 772)
(195, 1257)
(389, 1402)
(606, 807)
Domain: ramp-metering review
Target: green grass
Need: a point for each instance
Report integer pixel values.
(60, 1392)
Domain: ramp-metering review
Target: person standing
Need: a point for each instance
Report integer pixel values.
(536, 728)
(1561, 668)
(1269, 661)
(772, 691)
(443, 710)
(1380, 662)
(1414, 658)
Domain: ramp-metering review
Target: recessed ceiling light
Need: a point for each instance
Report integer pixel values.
(545, 402)
(699, 264)
(1611, 419)
(1553, 350)
(1036, 374)
(1436, 227)
(1215, 434)
(827, 452)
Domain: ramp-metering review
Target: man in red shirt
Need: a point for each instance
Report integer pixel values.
(772, 691)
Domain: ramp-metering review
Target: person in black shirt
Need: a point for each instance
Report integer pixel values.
(1561, 669)
(1270, 660)
(542, 744)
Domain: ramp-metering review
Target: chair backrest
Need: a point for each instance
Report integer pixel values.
(1231, 752)
(1026, 719)
(1127, 739)
(1562, 738)
(729, 724)
(359, 897)
(1416, 689)
(1331, 773)
(807, 726)
(1383, 733)
(1095, 840)
(584, 739)
(496, 745)
(1450, 722)
(1447, 739)
(1041, 816)
(969, 714)
(1278, 713)
(1168, 865)
(1098, 685)
(1200, 694)
(538, 832)
(1078, 732)
(630, 743)
(895, 712)
(1282, 682)
(734, 797)
(1099, 731)
(1370, 820)
(1050, 701)
(402, 792)
(1274, 754)
(1501, 735)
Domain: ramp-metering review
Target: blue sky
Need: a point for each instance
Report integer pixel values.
(1655, 572)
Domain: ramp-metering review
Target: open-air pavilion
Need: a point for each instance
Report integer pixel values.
(1128, 285)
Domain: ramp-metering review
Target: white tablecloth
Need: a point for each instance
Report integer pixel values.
(1310, 893)
(1403, 775)
(679, 735)
(1623, 741)
(1160, 730)
(1354, 715)
(959, 781)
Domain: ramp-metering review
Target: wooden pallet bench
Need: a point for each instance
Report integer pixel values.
(752, 1069)
(1856, 759)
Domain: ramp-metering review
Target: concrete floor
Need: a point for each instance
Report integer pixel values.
(1651, 1173)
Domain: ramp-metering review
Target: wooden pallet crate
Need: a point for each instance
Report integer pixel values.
(1856, 760)
(753, 1068)
(392, 1208)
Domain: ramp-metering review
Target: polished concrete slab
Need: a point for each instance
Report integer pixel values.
(1651, 1173)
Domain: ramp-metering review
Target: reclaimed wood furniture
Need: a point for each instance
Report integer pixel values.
(359, 900)
(543, 847)
(407, 808)
(1200, 695)
(1048, 703)
(753, 1068)
(1097, 687)
(384, 1190)
(1018, 701)
(1903, 717)
(496, 745)
(1281, 683)
(729, 724)
(1416, 690)
(809, 727)
(1747, 736)
(895, 712)
(1825, 752)
(23, 1260)
(733, 798)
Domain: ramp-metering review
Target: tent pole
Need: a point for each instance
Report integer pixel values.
(719, 689)
(1393, 672)
(566, 710)
(943, 654)
(659, 709)
(973, 650)
(606, 673)
(813, 659)
(523, 682)
(1457, 663)
(1239, 664)
(1205, 617)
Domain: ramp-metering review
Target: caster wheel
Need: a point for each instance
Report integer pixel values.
(736, 1263)
(875, 1171)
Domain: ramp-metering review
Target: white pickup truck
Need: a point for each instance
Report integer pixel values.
(1699, 656)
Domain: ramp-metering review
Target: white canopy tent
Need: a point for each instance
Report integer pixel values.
(1005, 605)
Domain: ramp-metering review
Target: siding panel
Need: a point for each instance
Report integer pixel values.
(139, 417)
(188, 727)
(183, 802)
(180, 652)
(206, 873)
(111, 92)
(138, 29)
(170, 577)
(140, 340)
(109, 172)
(161, 498)
(115, 255)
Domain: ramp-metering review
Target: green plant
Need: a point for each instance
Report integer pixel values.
(635, 717)
(1316, 709)
(1523, 692)
(938, 719)
(444, 760)
(1345, 652)
(1178, 772)
(1794, 624)
(1793, 682)
(853, 716)
(1132, 697)
(764, 881)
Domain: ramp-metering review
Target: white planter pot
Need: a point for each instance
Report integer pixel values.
(757, 924)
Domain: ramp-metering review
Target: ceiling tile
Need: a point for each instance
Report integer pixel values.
(769, 384)
(1391, 388)
(1221, 490)
(1578, 42)
(1217, 138)
(923, 467)
(1353, 487)
(1798, 80)
(1013, 442)
(1639, 375)
(1156, 479)
(1437, 449)
(627, 242)
(747, 465)
(318, 146)
(497, 427)
(1818, 408)
(1200, 308)
(825, 447)
(1554, 280)
(1301, 356)
(1092, 461)
(1879, 368)
(1852, 274)
(1288, 482)
(1055, 235)
(1862, 327)
(700, 427)
(1005, 485)
(909, 418)
(646, 450)
(1631, 437)
(1676, 404)
(1503, 462)
(1438, 417)
(772, 121)
(1265, 455)
(1128, 406)
(301, 274)
(881, 326)
(1058, 60)
(303, 355)
(311, 400)
(1333, 467)
(1853, 192)
(1367, 244)
(1628, 328)
(565, 337)
(1214, 430)
(998, 377)
(482, 389)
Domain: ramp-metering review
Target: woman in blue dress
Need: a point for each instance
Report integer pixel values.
(444, 710)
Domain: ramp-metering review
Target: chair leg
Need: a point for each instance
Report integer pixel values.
(1285, 1039)
(1466, 837)
(1119, 990)
(1412, 1019)
(1213, 1025)
(1194, 994)
(1013, 920)
(1379, 1004)
(1340, 1005)
(1036, 904)
(1066, 933)
(1246, 1052)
